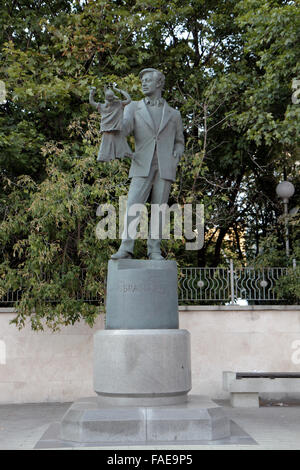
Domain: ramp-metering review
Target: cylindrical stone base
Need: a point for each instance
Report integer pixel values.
(142, 367)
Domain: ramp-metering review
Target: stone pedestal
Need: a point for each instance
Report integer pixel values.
(142, 367)
(92, 420)
(141, 294)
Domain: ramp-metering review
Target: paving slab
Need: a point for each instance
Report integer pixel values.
(21, 426)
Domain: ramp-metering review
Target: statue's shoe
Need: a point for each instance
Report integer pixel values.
(156, 257)
(121, 254)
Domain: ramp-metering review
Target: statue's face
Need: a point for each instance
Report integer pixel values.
(109, 95)
(150, 83)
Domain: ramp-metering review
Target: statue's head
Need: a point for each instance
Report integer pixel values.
(109, 94)
(152, 81)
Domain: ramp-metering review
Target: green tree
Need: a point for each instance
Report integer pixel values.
(229, 68)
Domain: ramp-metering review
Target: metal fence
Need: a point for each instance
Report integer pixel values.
(230, 285)
(201, 286)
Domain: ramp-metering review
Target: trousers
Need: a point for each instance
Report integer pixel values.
(139, 192)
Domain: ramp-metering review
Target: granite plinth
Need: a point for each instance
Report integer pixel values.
(89, 420)
(141, 294)
(142, 367)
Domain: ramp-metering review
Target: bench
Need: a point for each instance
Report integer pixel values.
(245, 387)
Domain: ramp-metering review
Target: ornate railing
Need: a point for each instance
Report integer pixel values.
(203, 286)
(230, 285)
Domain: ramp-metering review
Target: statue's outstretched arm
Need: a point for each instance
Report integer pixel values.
(91, 97)
(128, 120)
(124, 93)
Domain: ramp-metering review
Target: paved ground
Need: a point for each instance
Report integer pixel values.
(276, 427)
(21, 426)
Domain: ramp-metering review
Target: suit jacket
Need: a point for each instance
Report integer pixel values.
(167, 140)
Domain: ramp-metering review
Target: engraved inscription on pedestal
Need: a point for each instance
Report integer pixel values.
(153, 287)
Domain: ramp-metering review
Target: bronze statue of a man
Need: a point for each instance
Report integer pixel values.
(159, 144)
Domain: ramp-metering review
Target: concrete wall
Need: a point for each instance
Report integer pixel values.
(45, 366)
(240, 339)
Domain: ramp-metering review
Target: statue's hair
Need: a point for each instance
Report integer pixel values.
(159, 75)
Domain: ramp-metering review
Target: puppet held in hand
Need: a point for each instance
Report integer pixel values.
(113, 143)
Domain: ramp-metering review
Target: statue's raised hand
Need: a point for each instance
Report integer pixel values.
(124, 93)
(115, 87)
